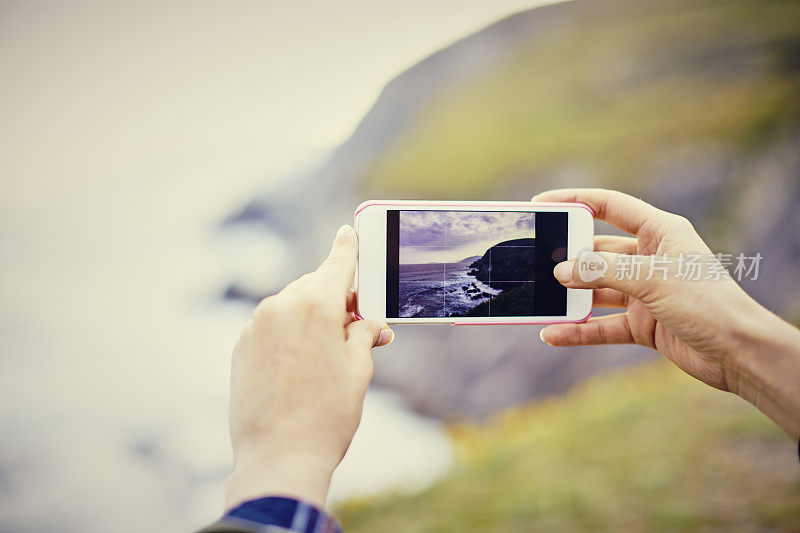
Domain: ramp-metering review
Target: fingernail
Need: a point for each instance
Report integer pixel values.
(563, 271)
(541, 335)
(343, 230)
(386, 336)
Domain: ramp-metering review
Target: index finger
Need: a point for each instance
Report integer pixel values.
(618, 209)
(338, 269)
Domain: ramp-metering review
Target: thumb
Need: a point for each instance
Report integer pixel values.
(635, 275)
(366, 334)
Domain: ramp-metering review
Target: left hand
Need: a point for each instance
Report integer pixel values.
(299, 374)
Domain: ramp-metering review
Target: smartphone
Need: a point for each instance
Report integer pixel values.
(469, 262)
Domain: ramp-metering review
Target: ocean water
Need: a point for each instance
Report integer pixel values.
(440, 290)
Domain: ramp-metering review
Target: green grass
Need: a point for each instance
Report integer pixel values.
(639, 450)
(608, 94)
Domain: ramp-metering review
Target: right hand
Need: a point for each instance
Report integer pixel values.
(698, 325)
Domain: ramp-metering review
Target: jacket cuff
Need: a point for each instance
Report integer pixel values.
(274, 514)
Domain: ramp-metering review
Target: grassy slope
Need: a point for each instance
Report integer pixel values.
(608, 93)
(647, 448)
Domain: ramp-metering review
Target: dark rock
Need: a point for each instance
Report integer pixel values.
(506, 263)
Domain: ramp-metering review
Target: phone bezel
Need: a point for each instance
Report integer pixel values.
(370, 279)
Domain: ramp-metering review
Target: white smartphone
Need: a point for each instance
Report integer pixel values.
(469, 262)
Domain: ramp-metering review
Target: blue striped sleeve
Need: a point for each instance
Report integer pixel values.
(275, 514)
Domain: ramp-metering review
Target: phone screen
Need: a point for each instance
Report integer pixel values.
(474, 263)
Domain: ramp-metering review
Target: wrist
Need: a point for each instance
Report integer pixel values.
(763, 367)
(755, 335)
(300, 475)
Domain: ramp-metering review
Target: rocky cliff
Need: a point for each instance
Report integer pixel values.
(505, 264)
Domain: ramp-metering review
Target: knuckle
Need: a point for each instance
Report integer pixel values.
(265, 309)
(646, 292)
(355, 333)
(682, 222)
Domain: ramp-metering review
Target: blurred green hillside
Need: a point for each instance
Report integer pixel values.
(646, 449)
(692, 104)
(607, 87)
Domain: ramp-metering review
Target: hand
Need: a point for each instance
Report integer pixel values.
(299, 374)
(711, 329)
(693, 323)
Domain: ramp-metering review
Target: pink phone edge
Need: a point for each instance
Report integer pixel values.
(526, 323)
(369, 203)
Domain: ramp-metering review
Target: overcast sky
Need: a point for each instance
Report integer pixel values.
(101, 91)
(450, 236)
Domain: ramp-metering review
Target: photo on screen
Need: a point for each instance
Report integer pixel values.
(466, 263)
